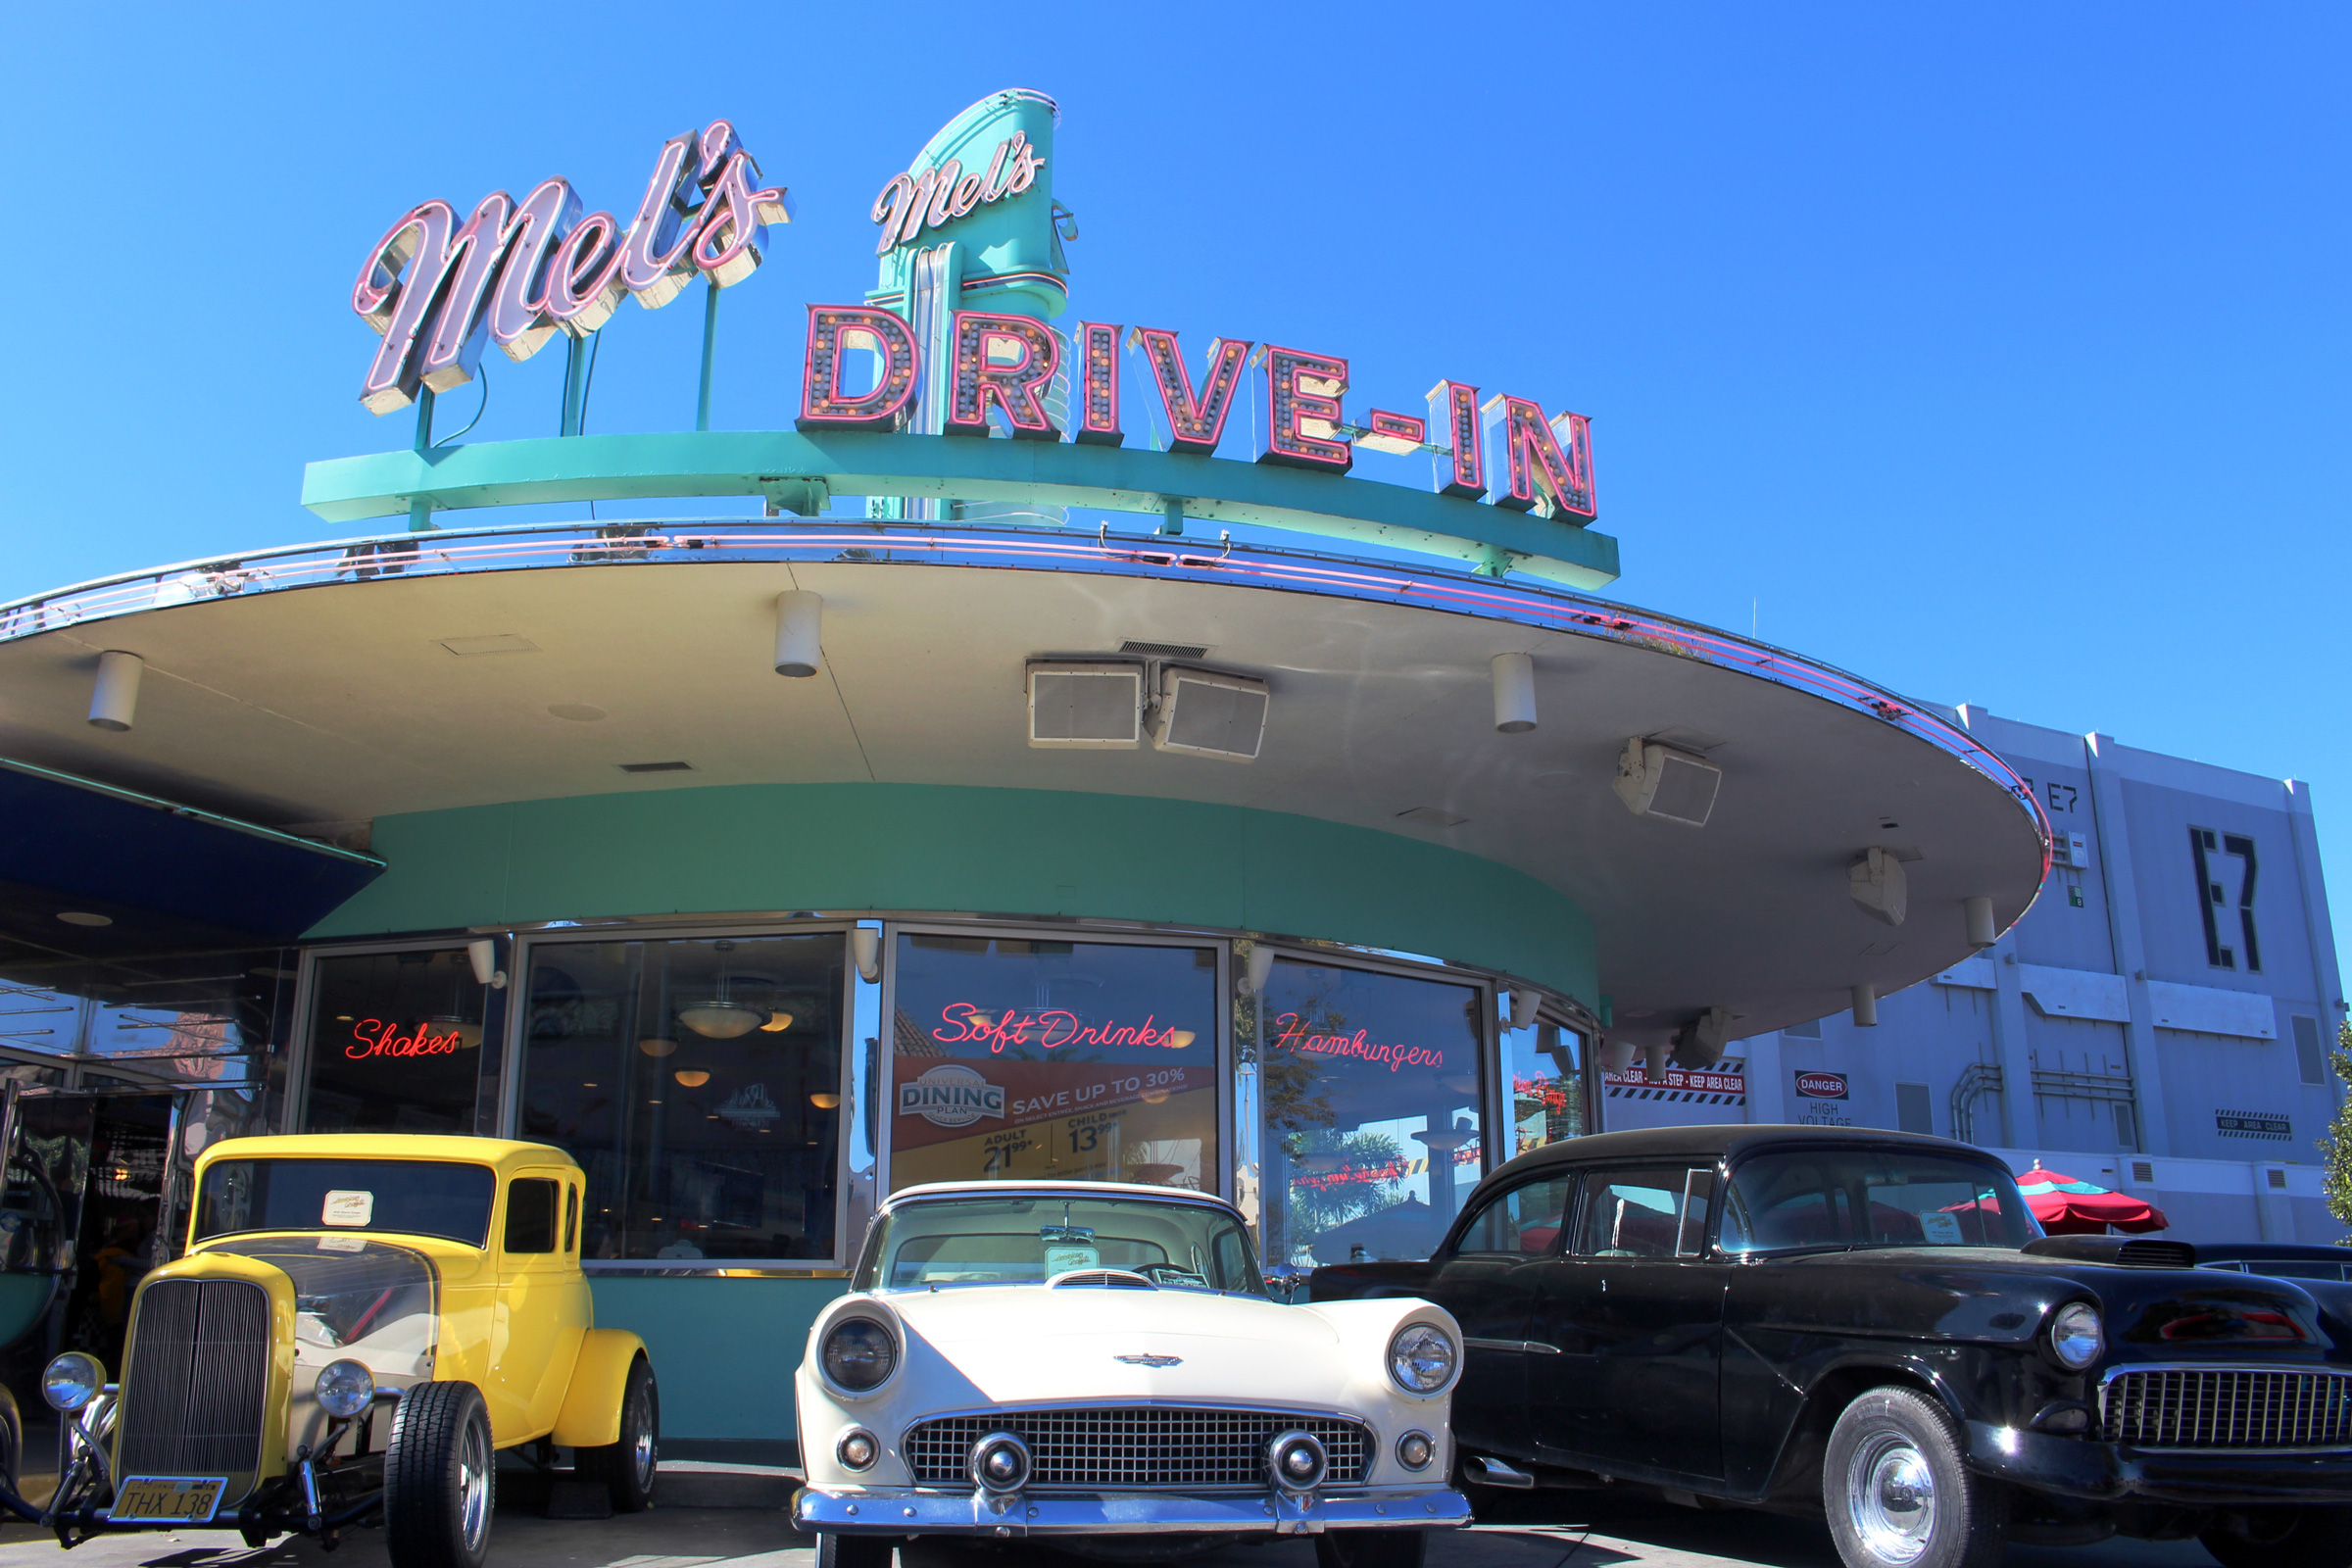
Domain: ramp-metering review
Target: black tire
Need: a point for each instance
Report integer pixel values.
(854, 1552)
(1371, 1548)
(12, 1439)
(1897, 1492)
(627, 1465)
(2283, 1538)
(440, 1477)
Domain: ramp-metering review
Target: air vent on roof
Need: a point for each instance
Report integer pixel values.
(507, 643)
(1162, 650)
(657, 768)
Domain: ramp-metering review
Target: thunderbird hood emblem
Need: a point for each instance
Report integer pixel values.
(1150, 1360)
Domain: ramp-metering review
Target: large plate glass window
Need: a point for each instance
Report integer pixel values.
(1546, 1087)
(1373, 1130)
(698, 1082)
(396, 1042)
(1023, 1057)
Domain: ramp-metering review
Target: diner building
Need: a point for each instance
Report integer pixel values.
(985, 778)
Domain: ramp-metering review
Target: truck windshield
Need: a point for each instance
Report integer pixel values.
(358, 1197)
(1027, 1241)
(1871, 1197)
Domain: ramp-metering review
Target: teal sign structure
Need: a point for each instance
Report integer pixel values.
(944, 395)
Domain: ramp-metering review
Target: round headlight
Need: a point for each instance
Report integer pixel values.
(859, 1355)
(1297, 1462)
(1416, 1449)
(345, 1389)
(1421, 1359)
(1001, 1462)
(72, 1380)
(856, 1449)
(2075, 1336)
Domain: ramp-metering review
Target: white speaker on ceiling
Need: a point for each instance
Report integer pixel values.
(1878, 886)
(1212, 714)
(1666, 782)
(1086, 706)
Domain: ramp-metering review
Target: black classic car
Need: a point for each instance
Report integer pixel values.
(2281, 1261)
(1870, 1326)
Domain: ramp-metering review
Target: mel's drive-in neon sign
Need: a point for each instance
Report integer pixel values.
(513, 273)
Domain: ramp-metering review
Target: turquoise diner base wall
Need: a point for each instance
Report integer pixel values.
(915, 847)
(723, 1349)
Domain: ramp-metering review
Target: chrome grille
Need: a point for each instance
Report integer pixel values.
(1135, 1449)
(2228, 1409)
(199, 1371)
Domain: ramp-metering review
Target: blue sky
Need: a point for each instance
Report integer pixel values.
(1998, 353)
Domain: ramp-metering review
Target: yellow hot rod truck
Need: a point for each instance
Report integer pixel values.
(360, 1323)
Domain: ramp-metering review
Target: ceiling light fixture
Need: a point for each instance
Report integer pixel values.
(825, 1101)
(656, 1046)
(722, 1017)
(1514, 693)
(85, 918)
(116, 695)
(690, 1077)
(800, 633)
(777, 1023)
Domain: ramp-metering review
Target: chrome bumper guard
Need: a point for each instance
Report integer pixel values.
(905, 1511)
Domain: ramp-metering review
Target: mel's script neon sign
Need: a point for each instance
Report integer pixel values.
(515, 273)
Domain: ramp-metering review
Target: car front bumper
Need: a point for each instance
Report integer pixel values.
(906, 1511)
(2078, 1467)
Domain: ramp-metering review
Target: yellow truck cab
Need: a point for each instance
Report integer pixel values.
(358, 1323)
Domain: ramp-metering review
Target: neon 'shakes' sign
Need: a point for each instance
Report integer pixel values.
(515, 273)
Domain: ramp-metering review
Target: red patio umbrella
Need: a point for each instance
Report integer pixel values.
(2068, 1205)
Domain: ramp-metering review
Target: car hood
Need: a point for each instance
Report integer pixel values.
(1999, 1294)
(1033, 1344)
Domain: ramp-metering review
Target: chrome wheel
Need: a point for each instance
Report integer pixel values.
(641, 1452)
(473, 1486)
(1891, 1497)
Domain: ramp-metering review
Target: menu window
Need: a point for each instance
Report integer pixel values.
(1546, 1086)
(1014, 1057)
(698, 1082)
(396, 1042)
(1373, 1130)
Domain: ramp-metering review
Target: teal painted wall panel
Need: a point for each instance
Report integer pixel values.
(941, 846)
(723, 1349)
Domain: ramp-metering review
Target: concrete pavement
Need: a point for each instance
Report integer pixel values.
(1542, 1531)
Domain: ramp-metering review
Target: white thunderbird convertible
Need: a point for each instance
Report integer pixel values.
(1090, 1362)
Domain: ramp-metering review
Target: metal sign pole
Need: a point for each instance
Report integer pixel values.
(701, 407)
